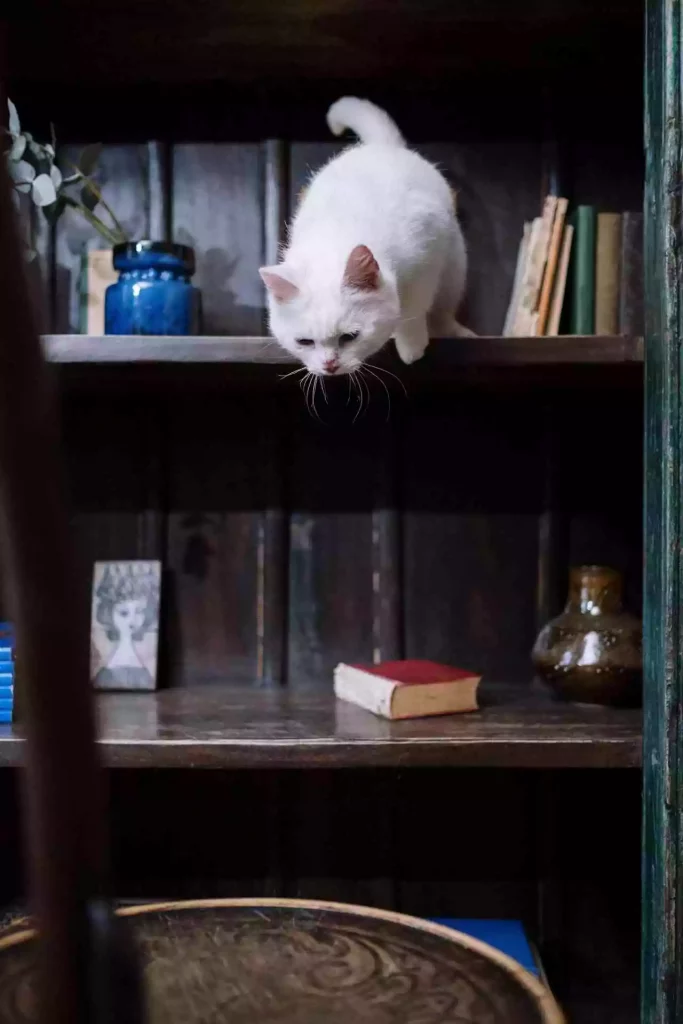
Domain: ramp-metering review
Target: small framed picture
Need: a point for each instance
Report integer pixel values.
(124, 634)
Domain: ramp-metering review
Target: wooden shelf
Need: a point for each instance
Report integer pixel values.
(444, 354)
(241, 727)
(264, 40)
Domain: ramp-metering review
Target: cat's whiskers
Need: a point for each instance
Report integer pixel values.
(316, 378)
(354, 378)
(299, 369)
(365, 367)
(305, 384)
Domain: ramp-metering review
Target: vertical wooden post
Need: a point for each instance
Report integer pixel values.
(662, 1001)
(273, 541)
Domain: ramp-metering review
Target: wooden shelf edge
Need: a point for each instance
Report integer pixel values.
(266, 754)
(78, 349)
(247, 728)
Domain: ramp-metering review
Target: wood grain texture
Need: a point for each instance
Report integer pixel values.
(264, 42)
(387, 554)
(486, 874)
(331, 477)
(441, 355)
(216, 208)
(114, 454)
(122, 174)
(497, 187)
(272, 557)
(472, 492)
(273, 543)
(293, 961)
(242, 727)
(215, 491)
(662, 988)
(602, 496)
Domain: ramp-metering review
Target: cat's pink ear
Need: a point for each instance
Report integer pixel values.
(362, 270)
(280, 287)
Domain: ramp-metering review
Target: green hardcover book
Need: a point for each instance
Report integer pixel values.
(583, 277)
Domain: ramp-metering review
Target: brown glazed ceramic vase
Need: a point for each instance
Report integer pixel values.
(592, 652)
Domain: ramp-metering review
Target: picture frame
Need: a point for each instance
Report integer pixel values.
(124, 635)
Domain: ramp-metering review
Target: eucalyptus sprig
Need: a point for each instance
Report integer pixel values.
(33, 170)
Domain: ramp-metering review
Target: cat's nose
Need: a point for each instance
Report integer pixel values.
(331, 365)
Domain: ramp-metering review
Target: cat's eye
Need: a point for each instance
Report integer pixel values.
(306, 342)
(346, 339)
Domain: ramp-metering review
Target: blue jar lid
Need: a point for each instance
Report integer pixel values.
(129, 250)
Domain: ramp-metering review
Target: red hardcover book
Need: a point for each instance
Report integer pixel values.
(407, 689)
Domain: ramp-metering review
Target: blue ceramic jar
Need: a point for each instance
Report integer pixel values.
(153, 294)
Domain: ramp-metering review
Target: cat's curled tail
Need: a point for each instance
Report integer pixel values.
(370, 123)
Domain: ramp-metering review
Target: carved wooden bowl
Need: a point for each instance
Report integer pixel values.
(303, 962)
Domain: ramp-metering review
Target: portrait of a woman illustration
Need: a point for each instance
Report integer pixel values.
(126, 603)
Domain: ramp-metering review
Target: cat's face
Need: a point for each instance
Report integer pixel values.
(335, 329)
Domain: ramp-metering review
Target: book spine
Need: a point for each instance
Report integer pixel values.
(550, 275)
(583, 280)
(538, 255)
(560, 287)
(631, 310)
(607, 273)
(517, 281)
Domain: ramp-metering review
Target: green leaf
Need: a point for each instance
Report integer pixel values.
(18, 148)
(43, 191)
(21, 172)
(89, 198)
(13, 118)
(89, 158)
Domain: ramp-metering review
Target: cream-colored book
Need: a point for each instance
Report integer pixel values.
(98, 274)
(538, 256)
(560, 285)
(519, 326)
(556, 237)
(517, 280)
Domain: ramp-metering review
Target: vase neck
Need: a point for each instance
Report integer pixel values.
(594, 590)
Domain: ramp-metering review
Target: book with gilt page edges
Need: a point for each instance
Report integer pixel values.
(407, 689)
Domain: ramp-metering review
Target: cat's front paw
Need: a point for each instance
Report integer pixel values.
(412, 348)
(460, 331)
(411, 356)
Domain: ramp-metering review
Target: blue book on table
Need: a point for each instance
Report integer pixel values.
(5, 715)
(508, 937)
(6, 703)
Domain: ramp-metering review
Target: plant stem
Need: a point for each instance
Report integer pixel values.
(103, 202)
(99, 225)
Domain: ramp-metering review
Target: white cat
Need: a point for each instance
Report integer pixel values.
(374, 252)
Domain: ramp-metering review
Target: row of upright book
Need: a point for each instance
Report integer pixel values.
(578, 272)
(6, 671)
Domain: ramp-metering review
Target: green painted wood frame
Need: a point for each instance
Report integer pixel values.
(662, 989)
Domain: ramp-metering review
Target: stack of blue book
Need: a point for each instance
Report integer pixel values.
(6, 671)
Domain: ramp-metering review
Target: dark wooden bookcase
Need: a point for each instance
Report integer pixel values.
(444, 529)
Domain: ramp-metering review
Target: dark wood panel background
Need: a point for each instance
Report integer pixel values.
(291, 543)
(441, 526)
